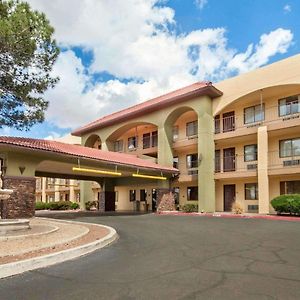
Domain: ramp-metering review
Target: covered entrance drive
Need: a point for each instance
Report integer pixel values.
(23, 159)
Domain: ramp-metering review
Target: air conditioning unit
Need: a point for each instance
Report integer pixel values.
(294, 162)
(252, 167)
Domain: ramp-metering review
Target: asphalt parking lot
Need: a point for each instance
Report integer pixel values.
(175, 257)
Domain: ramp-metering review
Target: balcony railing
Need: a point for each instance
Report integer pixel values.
(271, 114)
(277, 162)
(234, 163)
(237, 163)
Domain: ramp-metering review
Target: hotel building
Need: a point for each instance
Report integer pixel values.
(235, 140)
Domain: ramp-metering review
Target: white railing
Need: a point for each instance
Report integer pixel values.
(269, 115)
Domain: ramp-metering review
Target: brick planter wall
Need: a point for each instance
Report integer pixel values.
(165, 200)
(21, 203)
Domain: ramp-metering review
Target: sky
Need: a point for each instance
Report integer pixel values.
(117, 53)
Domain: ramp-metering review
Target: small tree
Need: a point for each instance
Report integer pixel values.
(27, 55)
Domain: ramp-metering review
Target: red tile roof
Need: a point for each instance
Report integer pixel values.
(84, 152)
(196, 89)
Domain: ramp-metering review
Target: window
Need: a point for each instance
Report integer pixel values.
(192, 193)
(192, 164)
(132, 195)
(118, 146)
(229, 121)
(150, 140)
(175, 162)
(132, 143)
(154, 138)
(192, 129)
(146, 140)
(251, 191)
(289, 187)
(217, 161)
(254, 114)
(176, 195)
(250, 153)
(143, 195)
(175, 133)
(289, 105)
(217, 124)
(289, 148)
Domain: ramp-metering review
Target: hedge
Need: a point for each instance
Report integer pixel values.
(287, 204)
(190, 208)
(60, 205)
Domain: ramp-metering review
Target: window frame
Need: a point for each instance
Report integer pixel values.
(132, 195)
(255, 154)
(255, 184)
(284, 186)
(289, 100)
(292, 150)
(118, 143)
(191, 167)
(254, 113)
(146, 140)
(175, 162)
(135, 142)
(195, 126)
(175, 133)
(188, 194)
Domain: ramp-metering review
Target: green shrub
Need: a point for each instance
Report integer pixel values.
(74, 205)
(62, 205)
(39, 205)
(47, 205)
(53, 205)
(91, 204)
(287, 204)
(190, 208)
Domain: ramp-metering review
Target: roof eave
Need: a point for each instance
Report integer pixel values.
(208, 90)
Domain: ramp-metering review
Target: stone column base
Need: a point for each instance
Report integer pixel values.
(165, 200)
(21, 203)
(107, 201)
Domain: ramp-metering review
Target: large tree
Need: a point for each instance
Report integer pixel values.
(27, 54)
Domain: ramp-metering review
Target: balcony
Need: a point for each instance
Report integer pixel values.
(275, 117)
(234, 166)
(283, 165)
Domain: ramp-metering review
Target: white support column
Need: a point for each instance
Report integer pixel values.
(262, 170)
(86, 193)
(72, 191)
(44, 183)
(56, 190)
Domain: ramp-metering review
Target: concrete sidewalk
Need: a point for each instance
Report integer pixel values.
(49, 242)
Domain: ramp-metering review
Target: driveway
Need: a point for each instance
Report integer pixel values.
(175, 257)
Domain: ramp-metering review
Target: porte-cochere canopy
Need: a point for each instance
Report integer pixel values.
(47, 151)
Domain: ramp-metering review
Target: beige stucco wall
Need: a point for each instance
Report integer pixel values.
(283, 72)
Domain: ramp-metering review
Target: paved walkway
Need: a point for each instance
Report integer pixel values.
(46, 236)
(175, 257)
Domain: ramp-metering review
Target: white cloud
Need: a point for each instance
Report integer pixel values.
(287, 8)
(276, 41)
(200, 3)
(135, 39)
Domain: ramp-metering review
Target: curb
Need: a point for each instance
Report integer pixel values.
(19, 267)
(231, 216)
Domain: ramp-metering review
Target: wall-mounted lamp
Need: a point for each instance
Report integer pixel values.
(149, 176)
(85, 170)
(200, 158)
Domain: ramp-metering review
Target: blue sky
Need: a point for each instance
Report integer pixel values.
(118, 53)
